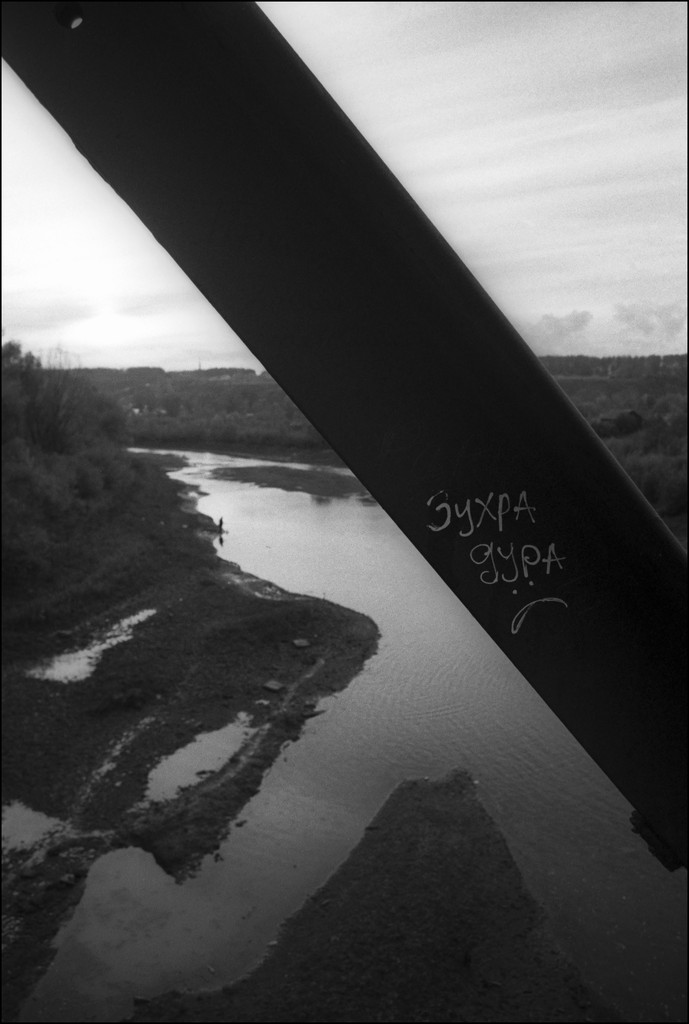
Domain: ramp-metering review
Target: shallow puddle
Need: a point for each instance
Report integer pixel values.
(135, 931)
(74, 666)
(204, 755)
(23, 828)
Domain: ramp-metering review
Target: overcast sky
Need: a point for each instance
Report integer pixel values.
(547, 141)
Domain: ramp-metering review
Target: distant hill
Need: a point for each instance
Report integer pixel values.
(631, 367)
(222, 406)
(636, 404)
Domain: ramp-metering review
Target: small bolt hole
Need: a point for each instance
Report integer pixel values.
(69, 15)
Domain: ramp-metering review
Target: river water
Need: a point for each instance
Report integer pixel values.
(438, 695)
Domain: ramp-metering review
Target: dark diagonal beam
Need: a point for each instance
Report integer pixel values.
(207, 124)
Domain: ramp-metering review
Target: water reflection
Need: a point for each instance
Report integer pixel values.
(23, 828)
(441, 695)
(206, 754)
(73, 666)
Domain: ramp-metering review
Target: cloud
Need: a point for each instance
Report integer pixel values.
(642, 328)
(664, 322)
(558, 328)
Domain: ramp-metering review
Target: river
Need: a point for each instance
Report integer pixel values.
(438, 694)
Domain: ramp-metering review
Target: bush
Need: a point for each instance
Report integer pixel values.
(61, 466)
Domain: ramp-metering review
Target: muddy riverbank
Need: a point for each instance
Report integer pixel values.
(218, 644)
(428, 919)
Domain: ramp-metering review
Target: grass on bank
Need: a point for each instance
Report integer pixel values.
(85, 524)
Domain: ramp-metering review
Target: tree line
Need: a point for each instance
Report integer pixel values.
(636, 404)
(64, 432)
(222, 407)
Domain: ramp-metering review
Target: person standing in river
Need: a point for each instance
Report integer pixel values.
(220, 530)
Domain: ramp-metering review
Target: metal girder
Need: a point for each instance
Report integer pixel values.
(212, 130)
